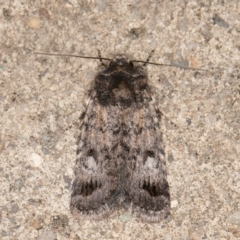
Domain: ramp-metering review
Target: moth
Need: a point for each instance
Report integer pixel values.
(120, 155)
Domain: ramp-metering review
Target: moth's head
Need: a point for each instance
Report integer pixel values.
(121, 61)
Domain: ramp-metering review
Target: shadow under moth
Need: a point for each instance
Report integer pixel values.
(120, 156)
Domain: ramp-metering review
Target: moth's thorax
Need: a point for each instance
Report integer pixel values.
(120, 83)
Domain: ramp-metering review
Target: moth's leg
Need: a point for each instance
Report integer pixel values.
(100, 58)
(149, 57)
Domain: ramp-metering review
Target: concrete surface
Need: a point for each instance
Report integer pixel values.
(41, 99)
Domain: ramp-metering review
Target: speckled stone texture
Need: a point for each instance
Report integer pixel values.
(41, 100)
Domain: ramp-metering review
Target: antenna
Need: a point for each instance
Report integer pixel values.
(69, 55)
(109, 59)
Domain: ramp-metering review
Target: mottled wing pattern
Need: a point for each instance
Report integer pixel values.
(120, 157)
(97, 180)
(147, 187)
